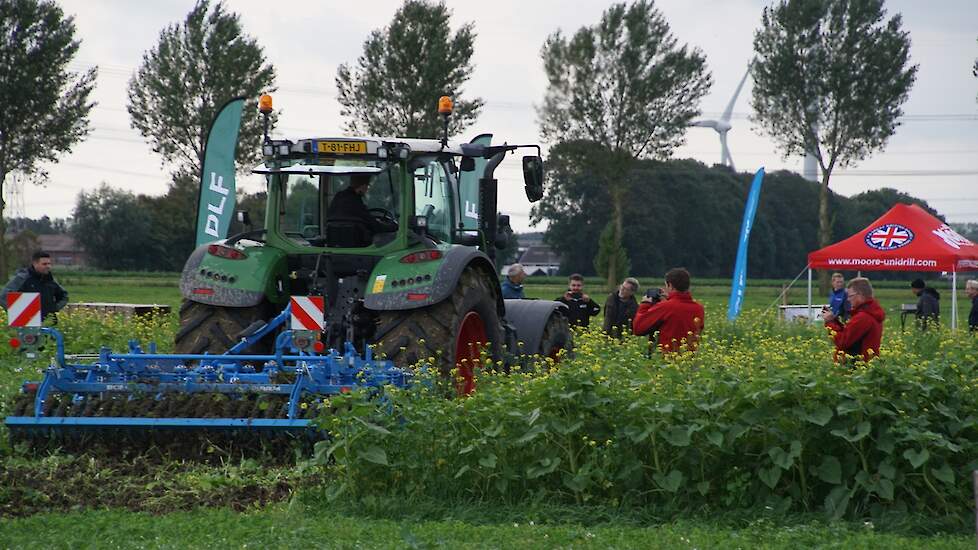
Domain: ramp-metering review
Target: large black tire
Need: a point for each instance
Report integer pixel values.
(214, 329)
(406, 337)
(557, 336)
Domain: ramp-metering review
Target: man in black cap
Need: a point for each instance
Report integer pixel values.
(928, 303)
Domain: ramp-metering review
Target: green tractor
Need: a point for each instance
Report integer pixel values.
(416, 280)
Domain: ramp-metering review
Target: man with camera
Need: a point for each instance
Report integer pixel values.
(671, 313)
(580, 306)
(860, 337)
(620, 308)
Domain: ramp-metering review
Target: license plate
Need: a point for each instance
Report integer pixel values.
(343, 147)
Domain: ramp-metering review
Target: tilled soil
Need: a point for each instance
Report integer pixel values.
(62, 483)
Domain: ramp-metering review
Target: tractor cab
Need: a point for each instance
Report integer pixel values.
(363, 193)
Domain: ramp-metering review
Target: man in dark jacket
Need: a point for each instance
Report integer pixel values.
(971, 289)
(38, 278)
(620, 308)
(678, 320)
(860, 337)
(348, 205)
(928, 303)
(580, 306)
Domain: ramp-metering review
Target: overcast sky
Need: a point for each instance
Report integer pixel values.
(934, 154)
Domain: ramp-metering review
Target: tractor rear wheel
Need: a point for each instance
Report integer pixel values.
(214, 329)
(454, 331)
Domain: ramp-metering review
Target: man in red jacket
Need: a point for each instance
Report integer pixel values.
(860, 337)
(678, 319)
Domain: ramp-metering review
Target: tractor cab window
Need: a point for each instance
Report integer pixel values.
(433, 199)
(301, 214)
(318, 206)
(382, 193)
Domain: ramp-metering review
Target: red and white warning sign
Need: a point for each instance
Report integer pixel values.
(308, 313)
(24, 309)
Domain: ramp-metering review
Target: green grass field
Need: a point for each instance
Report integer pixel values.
(305, 526)
(83, 509)
(163, 288)
(142, 288)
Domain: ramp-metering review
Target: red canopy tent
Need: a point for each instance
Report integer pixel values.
(906, 238)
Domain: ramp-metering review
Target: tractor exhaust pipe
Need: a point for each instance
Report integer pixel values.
(488, 219)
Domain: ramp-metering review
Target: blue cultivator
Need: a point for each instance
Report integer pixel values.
(279, 392)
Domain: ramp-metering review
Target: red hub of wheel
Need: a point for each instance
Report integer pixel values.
(468, 347)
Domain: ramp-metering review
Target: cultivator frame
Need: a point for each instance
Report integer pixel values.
(140, 374)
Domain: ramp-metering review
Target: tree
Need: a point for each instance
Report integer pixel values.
(41, 226)
(394, 88)
(115, 229)
(22, 246)
(683, 213)
(612, 256)
(626, 86)
(45, 106)
(576, 207)
(174, 221)
(830, 79)
(194, 69)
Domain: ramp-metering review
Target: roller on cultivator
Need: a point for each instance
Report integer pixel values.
(145, 390)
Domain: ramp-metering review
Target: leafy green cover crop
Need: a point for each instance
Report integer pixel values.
(758, 417)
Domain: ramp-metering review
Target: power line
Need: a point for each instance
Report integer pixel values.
(121, 71)
(85, 166)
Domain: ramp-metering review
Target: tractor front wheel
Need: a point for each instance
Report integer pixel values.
(454, 331)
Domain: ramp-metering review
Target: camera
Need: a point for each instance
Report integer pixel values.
(654, 294)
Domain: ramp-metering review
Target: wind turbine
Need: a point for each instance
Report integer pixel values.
(723, 125)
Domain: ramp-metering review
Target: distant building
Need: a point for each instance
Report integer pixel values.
(63, 250)
(538, 260)
(530, 239)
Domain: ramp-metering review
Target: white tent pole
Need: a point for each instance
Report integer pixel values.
(954, 299)
(810, 318)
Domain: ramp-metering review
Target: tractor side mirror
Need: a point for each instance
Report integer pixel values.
(467, 164)
(533, 177)
(419, 224)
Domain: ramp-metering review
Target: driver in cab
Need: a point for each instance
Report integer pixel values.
(348, 204)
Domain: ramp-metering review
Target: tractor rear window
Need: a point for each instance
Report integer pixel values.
(307, 200)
